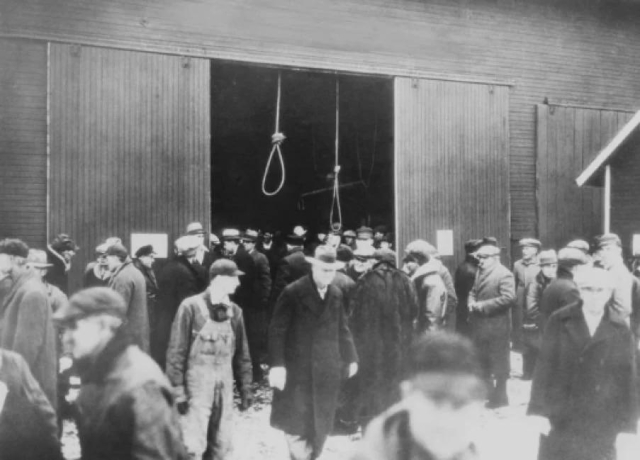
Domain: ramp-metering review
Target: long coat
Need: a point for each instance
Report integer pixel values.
(562, 291)
(152, 294)
(130, 284)
(177, 280)
(494, 290)
(464, 278)
(310, 338)
(584, 385)
(26, 327)
(292, 267)
(127, 407)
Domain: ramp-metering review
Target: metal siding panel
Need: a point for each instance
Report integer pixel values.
(23, 131)
(125, 157)
(452, 166)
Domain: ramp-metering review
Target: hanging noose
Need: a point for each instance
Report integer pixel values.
(276, 140)
(335, 201)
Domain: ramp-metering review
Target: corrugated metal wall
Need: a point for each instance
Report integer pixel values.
(568, 139)
(452, 162)
(23, 140)
(130, 144)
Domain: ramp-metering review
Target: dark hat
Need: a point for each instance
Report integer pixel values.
(63, 242)
(145, 251)
(250, 235)
(380, 229)
(294, 240)
(608, 239)
(117, 250)
(92, 301)
(530, 242)
(224, 267)
(489, 241)
(472, 246)
(14, 247)
(325, 256)
(231, 234)
(195, 228)
(385, 255)
(344, 253)
(364, 233)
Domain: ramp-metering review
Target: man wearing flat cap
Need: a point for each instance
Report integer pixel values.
(208, 348)
(311, 352)
(464, 278)
(127, 281)
(144, 260)
(126, 406)
(524, 271)
(181, 277)
(59, 253)
(26, 326)
(490, 303)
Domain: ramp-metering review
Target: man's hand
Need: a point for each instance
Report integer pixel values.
(353, 369)
(246, 400)
(540, 424)
(277, 377)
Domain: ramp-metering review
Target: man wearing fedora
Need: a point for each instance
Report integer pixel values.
(204, 256)
(256, 316)
(490, 303)
(311, 351)
(181, 277)
(26, 325)
(208, 348)
(524, 271)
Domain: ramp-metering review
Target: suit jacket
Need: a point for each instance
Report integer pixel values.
(586, 384)
(262, 279)
(309, 336)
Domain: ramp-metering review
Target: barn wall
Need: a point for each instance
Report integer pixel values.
(625, 206)
(585, 53)
(23, 141)
(130, 145)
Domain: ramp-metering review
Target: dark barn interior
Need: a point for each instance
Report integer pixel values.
(243, 120)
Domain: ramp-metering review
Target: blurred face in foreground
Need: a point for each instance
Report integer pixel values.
(87, 337)
(224, 285)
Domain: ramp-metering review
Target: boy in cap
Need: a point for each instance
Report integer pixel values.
(127, 281)
(584, 389)
(208, 347)
(311, 352)
(532, 322)
(490, 302)
(126, 408)
(441, 408)
(524, 271)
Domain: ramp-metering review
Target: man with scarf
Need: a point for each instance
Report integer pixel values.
(208, 347)
(126, 407)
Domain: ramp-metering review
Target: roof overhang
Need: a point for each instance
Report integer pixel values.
(592, 175)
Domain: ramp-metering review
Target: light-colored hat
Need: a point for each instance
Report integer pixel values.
(231, 234)
(364, 252)
(530, 242)
(579, 244)
(572, 256)
(186, 244)
(548, 257)
(608, 239)
(213, 239)
(325, 256)
(37, 258)
(195, 228)
(594, 277)
(488, 250)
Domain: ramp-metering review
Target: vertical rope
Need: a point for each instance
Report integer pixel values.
(335, 202)
(276, 139)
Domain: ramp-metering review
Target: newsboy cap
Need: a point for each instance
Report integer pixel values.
(579, 244)
(572, 256)
(14, 247)
(117, 250)
(532, 242)
(90, 302)
(224, 267)
(608, 239)
(145, 251)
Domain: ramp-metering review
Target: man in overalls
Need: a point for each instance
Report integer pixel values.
(208, 345)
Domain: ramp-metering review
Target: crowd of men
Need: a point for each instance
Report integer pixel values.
(345, 337)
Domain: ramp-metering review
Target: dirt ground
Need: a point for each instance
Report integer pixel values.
(506, 433)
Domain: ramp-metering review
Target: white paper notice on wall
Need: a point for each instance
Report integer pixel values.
(159, 241)
(635, 245)
(444, 239)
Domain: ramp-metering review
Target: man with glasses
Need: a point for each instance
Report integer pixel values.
(490, 303)
(584, 386)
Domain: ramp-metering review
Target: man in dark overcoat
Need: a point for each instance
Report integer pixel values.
(179, 279)
(490, 303)
(464, 278)
(524, 271)
(144, 261)
(311, 351)
(292, 267)
(584, 384)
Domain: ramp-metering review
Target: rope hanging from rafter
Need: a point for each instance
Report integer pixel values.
(276, 140)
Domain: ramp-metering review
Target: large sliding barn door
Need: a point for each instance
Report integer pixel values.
(452, 162)
(568, 139)
(130, 150)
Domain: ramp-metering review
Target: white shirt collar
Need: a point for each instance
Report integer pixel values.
(593, 321)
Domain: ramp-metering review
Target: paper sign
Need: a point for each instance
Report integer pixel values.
(159, 241)
(635, 245)
(444, 240)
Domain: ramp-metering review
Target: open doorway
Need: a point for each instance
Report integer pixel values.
(243, 111)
